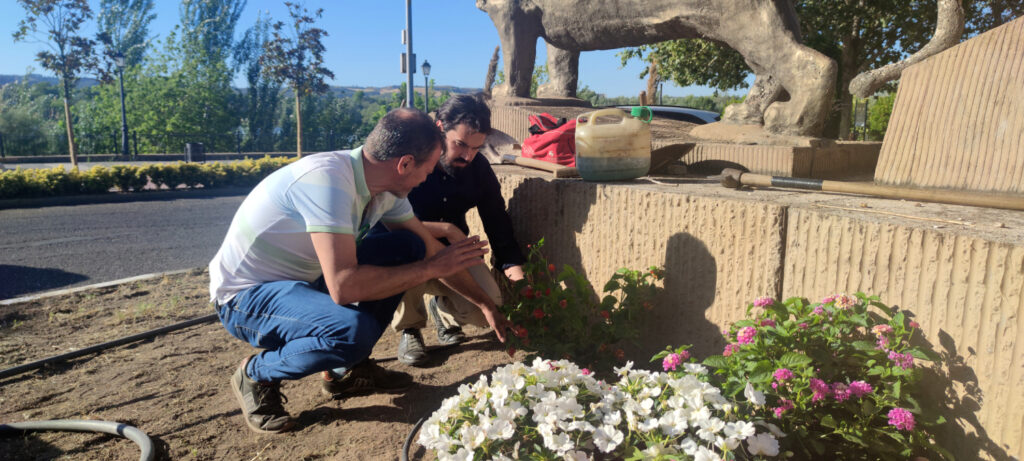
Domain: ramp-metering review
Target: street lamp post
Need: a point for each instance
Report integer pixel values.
(119, 61)
(426, 86)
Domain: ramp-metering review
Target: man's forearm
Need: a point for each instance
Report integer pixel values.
(465, 285)
(366, 282)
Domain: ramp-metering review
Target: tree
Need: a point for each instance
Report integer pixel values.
(857, 34)
(263, 96)
(69, 55)
(295, 55)
(124, 28)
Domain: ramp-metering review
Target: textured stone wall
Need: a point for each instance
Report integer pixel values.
(959, 271)
(959, 118)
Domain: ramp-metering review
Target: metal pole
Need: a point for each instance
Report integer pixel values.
(410, 63)
(124, 118)
(426, 94)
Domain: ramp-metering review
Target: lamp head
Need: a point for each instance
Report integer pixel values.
(426, 68)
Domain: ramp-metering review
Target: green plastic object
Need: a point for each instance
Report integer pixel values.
(639, 111)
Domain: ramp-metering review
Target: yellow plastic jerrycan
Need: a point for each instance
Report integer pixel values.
(613, 150)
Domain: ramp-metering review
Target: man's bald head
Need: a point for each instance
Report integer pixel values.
(403, 131)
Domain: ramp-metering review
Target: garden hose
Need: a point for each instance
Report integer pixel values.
(81, 425)
(107, 345)
(408, 440)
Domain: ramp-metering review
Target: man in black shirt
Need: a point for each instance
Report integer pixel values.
(461, 181)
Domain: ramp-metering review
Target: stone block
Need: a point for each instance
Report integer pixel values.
(958, 119)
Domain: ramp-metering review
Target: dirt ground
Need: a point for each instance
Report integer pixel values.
(175, 387)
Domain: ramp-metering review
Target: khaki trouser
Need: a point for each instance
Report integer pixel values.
(454, 310)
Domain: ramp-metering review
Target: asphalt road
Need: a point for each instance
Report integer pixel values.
(46, 246)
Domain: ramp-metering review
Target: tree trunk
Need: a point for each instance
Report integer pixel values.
(67, 123)
(298, 126)
(848, 65)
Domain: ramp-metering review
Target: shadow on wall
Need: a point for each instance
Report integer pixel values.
(690, 283)
(955, 384)
(557, 225)
(19, 280)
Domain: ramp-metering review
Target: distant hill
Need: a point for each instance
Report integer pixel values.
(342, 91)
(36, 78)
(345, 91)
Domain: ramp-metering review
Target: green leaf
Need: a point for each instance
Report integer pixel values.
(897, 388)
(864, 345)
(853, 438)
(717, 361)
(924, 354)
(828, 421)
(793, 360)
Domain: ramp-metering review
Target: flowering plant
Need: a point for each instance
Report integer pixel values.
(556, 313)
(838, 376)
(555, 410)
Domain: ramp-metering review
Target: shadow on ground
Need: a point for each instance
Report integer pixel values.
(19, 280)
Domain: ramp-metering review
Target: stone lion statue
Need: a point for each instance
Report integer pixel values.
(794, 84)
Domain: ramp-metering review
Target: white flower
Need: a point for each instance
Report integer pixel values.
(559, 443)
(763, 444)
(576, 456)
(624, 370)
(472, 436)
(648, 425)
(695, 368)
(752, 395)
(607, 438)
(613, 418)
(703, 454)
(739, 429)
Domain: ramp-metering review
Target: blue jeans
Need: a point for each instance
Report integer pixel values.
(302, 330)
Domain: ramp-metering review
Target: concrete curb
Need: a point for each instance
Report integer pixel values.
(115, 197)
(68, 291)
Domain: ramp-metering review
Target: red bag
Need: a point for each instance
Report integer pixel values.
(551, 140)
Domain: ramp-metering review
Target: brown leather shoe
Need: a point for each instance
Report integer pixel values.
(261, 403)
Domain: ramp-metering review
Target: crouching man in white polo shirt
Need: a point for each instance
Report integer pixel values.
(298, 276)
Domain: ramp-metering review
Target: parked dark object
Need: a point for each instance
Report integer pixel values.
(195, 152)
(683, 114)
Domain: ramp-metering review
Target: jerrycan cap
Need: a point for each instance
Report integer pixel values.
(640, 111)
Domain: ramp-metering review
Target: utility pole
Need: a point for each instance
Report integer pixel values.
(410, 59)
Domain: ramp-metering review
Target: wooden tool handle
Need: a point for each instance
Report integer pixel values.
(560, 171)
(733, 178)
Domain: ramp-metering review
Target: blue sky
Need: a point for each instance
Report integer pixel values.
(364, 43)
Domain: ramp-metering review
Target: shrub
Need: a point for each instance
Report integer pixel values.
(97, 180)
(838, 377)
(555, 410)
(557, 314)
(129, 178)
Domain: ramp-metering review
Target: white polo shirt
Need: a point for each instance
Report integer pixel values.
(268, 239)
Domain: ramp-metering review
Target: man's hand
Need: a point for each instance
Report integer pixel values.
(457, 256)
(497, 321)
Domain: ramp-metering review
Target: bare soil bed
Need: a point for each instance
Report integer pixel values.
(175, 387)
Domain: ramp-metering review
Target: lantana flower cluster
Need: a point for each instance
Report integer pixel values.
(552, 410)
(839, 376)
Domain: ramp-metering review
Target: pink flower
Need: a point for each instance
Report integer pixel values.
(538, 313)
(775, 385)
(746, 335)
(904, 361)
(730, 348)
(882, 342)
(840, 391)
(763, 301)
(902, 419)
(586, 372)
(820, 389)
(784, 404)
(914, 324)
(860, 388)
(767, 323)
(672, 361)
(845, 301)
(783, 374)
(829, 299)
(818, 310)
(803, 325)
(882, 329)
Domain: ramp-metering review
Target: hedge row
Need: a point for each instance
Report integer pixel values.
(56, 181)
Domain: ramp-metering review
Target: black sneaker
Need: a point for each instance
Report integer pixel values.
(411, 350)
(261, 403)
(447, 336)
(364, 378)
